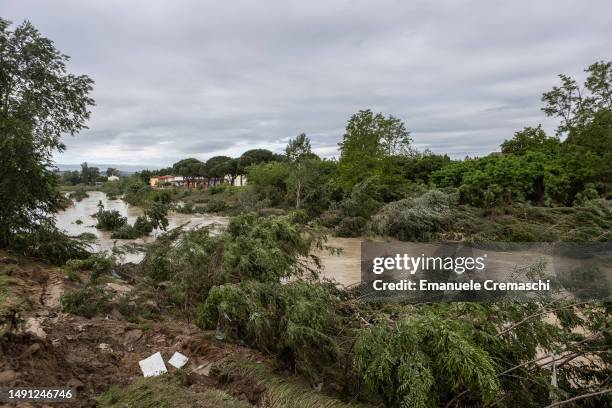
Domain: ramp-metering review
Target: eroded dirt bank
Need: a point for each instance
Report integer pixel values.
(42, 346)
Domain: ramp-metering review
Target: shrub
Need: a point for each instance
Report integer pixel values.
(136, 191)
(271, 248)
(156, 214)
(214, 206)
(417, 218)
(98, 263)
(143, 226)
(48, 243)
(112, 189)
(422, 359)
(126, 232)
(186, 208)
(265, 249)
(297, 320)
(351, 226)
(109, 220)
(78, 195)
(162, 196)
(87, 302)
(216, 189)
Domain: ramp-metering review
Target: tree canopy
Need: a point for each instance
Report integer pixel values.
(369, 142)
(39, 102)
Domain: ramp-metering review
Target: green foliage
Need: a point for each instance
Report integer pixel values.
(143, 226)
(255, 156)
(166, 391)
(269, 180)
(299, 149)
(216, 189)
(529, 140)
(89, 175)
(31, 125)
(87, 302)
(48, 243)
(156, 216)
(125, 232)
(596, 136)
(266, 249)
(420, 360)
(98, 263)
(109, 220)
(416, 219)
(354, 211)
(296, 320)
(418, 167)
(496, 180)
(136, 192)
(368, 147)
(215, 206)
(575, 106)
(218, 167)
(112, 188)
(78, 194)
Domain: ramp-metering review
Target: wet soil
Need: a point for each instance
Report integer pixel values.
(43, 347)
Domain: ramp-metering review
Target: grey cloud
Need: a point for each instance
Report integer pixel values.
(200, 78)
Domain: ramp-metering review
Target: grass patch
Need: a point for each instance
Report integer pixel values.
(280, 391)
(165, 391)
(87, 302)
(8, 299)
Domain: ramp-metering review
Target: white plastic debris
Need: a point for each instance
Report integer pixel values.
(153, 365)
(178, 360)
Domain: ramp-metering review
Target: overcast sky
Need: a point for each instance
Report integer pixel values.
(194, 78)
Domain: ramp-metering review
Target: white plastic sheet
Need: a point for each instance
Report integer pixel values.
(153, 365)
(178, 360)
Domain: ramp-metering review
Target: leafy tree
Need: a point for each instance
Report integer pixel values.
(370, 141)
(595, 136)
(255, 156)
(496, 180)
(70, 177)
(218, 167)
(318, 183)
(298, 151)
(145, 175)
(530, 139)
(269, 180)
(190, 169)
(39, 102)
(136, 191)
(111, 171)
(109, 220)
(156, 215)
(412, 362)
(576, 105)
(419, 166)
(89, 175)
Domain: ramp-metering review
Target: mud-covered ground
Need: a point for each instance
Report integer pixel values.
(42, 346)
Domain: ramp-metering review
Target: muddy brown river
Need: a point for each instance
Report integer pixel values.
(344, 268)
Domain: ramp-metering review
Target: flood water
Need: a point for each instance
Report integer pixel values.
(344, 268)
(83, 210)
